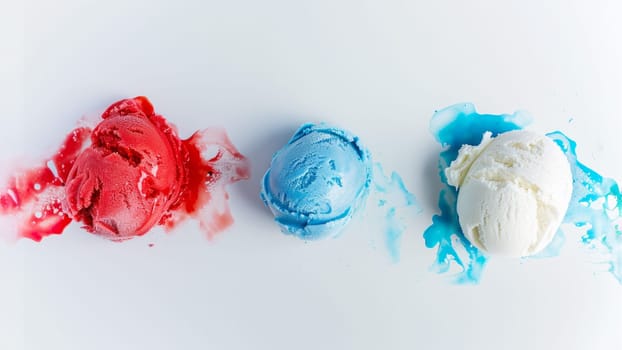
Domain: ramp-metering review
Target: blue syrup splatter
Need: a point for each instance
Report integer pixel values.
(596, 205)
(453, 127)
(394, 197)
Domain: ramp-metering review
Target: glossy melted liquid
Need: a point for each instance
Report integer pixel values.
(595, 207)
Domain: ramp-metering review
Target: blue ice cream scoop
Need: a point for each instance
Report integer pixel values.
(317, 181)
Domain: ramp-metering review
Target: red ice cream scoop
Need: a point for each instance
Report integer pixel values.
(135, 173)
(122, 185)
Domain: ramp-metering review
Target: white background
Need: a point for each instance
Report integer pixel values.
(260, 68)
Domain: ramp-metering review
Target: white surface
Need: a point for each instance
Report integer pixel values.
(260, 68)
(514, 192)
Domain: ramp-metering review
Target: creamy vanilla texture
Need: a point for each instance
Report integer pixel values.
(513, 192)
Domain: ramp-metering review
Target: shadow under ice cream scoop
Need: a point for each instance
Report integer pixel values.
(130, 173)
(317, 182)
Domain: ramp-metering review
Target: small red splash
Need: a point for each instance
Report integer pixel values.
(129, 173)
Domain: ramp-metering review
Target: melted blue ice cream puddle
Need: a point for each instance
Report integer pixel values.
(453, 127)
(596, 201)
(596, 205)
(395, 198)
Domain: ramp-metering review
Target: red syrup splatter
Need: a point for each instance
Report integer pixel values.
(47, 198)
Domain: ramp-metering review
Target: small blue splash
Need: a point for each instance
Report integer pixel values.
(596, 205)
(453, 127)
(393, 197)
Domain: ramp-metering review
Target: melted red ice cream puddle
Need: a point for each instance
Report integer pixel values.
(128, 174)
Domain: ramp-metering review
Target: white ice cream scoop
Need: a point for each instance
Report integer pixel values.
(513, 192)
